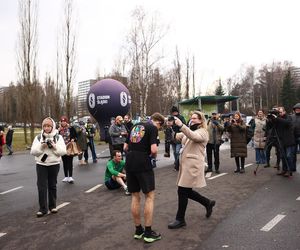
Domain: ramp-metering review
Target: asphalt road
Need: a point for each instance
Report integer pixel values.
(101, 219)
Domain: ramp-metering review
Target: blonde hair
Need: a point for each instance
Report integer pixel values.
(201, 116)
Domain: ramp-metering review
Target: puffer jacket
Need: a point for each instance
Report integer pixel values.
(54, 155)
(259, 137)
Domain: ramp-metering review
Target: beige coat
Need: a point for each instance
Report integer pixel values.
(191, 167)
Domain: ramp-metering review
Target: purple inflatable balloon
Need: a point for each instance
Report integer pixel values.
(108, 98)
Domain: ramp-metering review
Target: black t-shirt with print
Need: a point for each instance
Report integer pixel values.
(142, 136)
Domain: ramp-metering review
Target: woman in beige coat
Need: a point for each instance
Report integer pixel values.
(191, 169)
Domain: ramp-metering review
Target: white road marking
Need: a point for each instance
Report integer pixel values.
(11, 190)
(93, 188)
(248, 165)
(208, 174)
(298, 199)
(272, 223)
(2, 234)
(216, 176)
(62, 205)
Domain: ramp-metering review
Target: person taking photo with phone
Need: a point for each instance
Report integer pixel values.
(47, 147)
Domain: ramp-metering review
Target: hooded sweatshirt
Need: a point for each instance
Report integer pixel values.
(53, 155)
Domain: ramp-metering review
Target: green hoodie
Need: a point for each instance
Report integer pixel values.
(113, 168)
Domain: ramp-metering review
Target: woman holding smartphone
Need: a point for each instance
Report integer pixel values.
(47, 147)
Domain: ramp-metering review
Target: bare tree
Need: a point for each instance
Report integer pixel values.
(68, 53)
(187, 77)
(193, 78)
(26, 61)
(177, 73)
(143, 39)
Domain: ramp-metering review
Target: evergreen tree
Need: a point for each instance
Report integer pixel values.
(288, 92)
(219, 91)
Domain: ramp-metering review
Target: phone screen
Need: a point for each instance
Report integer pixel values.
(44, 157)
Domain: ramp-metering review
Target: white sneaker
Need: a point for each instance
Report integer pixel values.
(71, 180)
(66, 179)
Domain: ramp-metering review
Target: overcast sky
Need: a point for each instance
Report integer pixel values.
(221, 34)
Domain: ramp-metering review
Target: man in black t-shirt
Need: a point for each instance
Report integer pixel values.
(141, 146)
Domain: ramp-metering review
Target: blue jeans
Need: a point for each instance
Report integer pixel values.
(176, 148)
(260, 156)
(92, 147)
(288, 159)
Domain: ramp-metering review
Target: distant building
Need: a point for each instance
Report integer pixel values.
(296, 75)
(83, 89)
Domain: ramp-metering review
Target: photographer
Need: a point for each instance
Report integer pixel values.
(272, 140)
(176, 145)
(215, 130)
(284, 131)
(47, 147)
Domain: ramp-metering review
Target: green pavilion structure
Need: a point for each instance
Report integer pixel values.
(206, 104)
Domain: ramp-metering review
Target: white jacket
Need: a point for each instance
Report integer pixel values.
(54, 156)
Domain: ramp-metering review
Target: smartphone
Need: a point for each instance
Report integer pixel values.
(44, 157)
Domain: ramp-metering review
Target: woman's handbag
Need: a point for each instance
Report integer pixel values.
(73, 149)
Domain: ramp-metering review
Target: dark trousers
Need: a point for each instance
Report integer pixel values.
(237, 162)
(84, 154)
(111, 149)
(68, 165)
(46, 183)
(268, 148)
(210, 149)
(167, 147)
(183, 195)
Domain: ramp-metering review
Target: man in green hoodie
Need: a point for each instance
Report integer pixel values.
(115, 176)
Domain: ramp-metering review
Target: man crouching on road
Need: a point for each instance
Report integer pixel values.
(115, 176)
(141, 146)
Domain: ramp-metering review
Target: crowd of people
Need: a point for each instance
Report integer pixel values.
(134, 148)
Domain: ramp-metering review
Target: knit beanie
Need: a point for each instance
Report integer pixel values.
(64, 119)
(47, 121)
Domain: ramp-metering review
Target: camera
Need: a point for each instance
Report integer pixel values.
(171, 118)
(271, 113)
(48, 142)
(215, 121)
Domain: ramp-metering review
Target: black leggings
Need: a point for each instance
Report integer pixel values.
(237, 162)
(183, 195)
(68, 165)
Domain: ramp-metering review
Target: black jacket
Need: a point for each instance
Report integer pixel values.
(285, 130)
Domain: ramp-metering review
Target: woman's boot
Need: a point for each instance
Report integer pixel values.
(237, 163)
